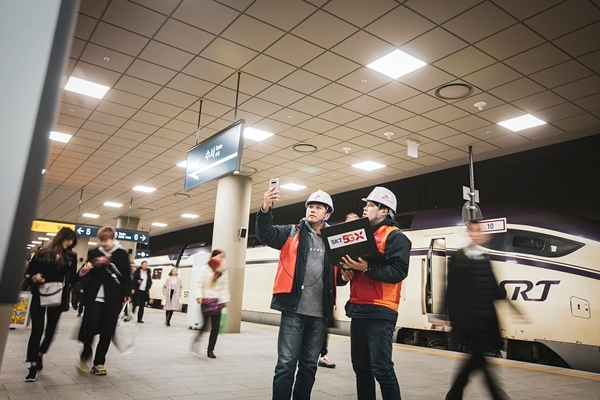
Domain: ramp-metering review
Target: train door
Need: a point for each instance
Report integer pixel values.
(435, 279)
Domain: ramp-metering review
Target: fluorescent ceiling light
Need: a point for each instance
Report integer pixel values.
(43, 171)
(60, 137)
(144, 189)
(396, 64)
(43, 238)
(87, 215)
(50, 234)
(111, 204)
(368, 165)
(86, 87)
(520, 123)
(36, 242)
(189, 215)
(182, 164)
(158, 224)
(256, 134)
(92, 243)
(293, 186)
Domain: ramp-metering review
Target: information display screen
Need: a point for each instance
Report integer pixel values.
(217, 156)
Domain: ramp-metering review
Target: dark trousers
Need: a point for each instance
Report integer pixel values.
(371, 351)
(39, 315)
(474, 362)
(215, 324)
(169, 314)
(142, 298)
(97, 321)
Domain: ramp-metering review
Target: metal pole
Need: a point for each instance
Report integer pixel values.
(129, 215)
(198, 130)
(79, 206)
(237, 93)
(472, 208)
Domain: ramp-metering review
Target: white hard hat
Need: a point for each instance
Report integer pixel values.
(383, 196)
(320, 197)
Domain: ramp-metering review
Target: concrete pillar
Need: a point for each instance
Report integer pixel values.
(231, 214)
(129, 224)
(35, 36)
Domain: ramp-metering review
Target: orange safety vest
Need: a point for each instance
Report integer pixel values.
(286, 268)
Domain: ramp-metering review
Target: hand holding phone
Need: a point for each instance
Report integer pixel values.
(272, 194)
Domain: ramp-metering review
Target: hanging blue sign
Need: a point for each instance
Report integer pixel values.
(132, 236)
(217, 156)
(87, 230)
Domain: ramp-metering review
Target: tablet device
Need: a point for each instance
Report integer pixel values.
(354, 238)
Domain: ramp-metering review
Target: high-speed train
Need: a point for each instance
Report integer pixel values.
(547, 262)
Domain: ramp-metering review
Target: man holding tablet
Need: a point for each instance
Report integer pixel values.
(304, 291)
(374, 299)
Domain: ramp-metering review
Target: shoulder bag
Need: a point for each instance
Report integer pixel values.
(51, 294)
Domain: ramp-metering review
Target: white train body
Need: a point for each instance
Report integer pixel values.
(551, 276)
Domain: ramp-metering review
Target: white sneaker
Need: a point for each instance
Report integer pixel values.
(326, 362)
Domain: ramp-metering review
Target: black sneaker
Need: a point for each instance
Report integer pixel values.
(31, 375)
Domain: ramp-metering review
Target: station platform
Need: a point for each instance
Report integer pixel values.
(162, 367)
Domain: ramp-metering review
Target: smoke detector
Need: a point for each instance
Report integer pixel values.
(480, 105)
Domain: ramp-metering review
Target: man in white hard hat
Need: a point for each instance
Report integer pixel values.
(374, 299)
(304, 291)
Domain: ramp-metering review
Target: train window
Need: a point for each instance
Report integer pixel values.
(529, 243)
(539, 244)
(558, 247)
(157, 273)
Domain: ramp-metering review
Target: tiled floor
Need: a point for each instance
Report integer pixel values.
(162, 367)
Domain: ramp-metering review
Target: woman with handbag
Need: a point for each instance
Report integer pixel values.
(51, 270)
(212, 293)
(172, 290)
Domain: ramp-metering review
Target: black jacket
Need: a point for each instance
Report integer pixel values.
(114, 293)
(472, 290)
(275, 236)
(137, 277)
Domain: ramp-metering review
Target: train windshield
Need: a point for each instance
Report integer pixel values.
(535, 243)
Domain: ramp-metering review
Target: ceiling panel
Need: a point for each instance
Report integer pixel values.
(304, 78)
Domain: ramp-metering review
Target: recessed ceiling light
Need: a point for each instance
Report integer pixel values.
(256, 134)
(106, 58)
(396, 64)
(60, 137)
(158, 224)
(520, 123)
(144, 189)
(189, 215)
(71, 110)
(368, 165)
(364, 81)
(181, 195)
(43, 238)
(182, 164)
(293, 186)
(88, 215)
(36, 242)
(304, 148)
(92, 243)
(111, 204)
(86, 87)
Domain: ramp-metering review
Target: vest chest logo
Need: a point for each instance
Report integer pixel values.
(348, 238)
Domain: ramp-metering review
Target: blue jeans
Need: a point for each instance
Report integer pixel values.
(371, 351)
(300, 340)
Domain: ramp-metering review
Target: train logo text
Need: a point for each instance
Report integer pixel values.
(524, 287)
